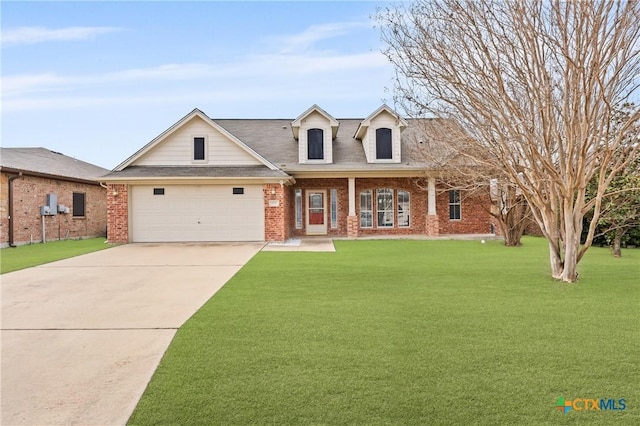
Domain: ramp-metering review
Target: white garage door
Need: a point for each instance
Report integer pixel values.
(197, 213)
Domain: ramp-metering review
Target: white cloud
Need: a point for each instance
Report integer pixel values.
(263, 76)
(33, 35)
(250, 68)
(316, 33)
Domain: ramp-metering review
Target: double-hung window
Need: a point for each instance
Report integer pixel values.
(455, 211)
(366, 209)
(385, 208)
(404, 209)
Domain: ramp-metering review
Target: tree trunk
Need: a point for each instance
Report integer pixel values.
(569, 270)
(555, 258)
(617, 244)
(572, 231)
(512, 236)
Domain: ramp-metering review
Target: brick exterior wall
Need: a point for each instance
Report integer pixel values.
(275, 218)
(118, 213)
(322, 184)
(279, 210)
(29, 194)
(475, 219)
(417, 199)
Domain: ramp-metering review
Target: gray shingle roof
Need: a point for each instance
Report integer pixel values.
(273, 139)
(197, 172)
(46, 162)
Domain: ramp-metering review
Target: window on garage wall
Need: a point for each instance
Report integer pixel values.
(199, 148)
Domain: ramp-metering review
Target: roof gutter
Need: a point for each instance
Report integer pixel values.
(89, 181)
(10, 217)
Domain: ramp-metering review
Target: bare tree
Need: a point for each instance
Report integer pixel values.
(535, 84)
(430, 143)
(620, 208)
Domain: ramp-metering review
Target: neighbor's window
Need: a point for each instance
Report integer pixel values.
(334, 208)
(315, 144)
(298, 208)
(455, 212)
(158, 191)
(404, 209)
(198, 148)
(366, 209)
(385, 208)
(79, 204)
(383, 144)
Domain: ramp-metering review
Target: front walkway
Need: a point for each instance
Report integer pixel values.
(303, 244)
(324, 244)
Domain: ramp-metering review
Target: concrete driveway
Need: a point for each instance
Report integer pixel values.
(82, 337)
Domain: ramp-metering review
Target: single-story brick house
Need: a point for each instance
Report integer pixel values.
(33, 179)
(275, 179)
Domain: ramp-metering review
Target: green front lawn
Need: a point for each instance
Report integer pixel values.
(21, 257)
(406, 332)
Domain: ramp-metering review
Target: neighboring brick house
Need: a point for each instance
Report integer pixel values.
(271, 180)
(32, 178)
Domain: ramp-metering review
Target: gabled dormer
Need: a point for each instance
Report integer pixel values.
(315, 130)
(380, 136)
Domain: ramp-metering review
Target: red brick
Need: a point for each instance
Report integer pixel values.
(29, 194)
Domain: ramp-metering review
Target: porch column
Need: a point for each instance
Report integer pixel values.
(431, 188)
(432, 214)
(352, 219)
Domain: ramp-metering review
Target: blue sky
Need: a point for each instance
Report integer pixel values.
(98, 80)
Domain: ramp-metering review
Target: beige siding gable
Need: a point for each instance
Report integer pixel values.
(177, 148)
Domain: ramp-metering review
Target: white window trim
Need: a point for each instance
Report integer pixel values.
(298, 212)
(327, 148)
(459, 203)
(375, 146)
(324, 146)
(333, 196)
(360, 210)
(393, 210)
(193, 149)
(409, 210)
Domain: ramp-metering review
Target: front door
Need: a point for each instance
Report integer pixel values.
(316, 213)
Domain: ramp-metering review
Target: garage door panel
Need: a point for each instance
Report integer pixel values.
(197, 213)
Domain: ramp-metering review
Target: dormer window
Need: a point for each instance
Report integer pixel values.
(384, 147)
(315, 131)
(380, 134)
(315, 144)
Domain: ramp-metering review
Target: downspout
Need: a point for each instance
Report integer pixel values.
(10, 183)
